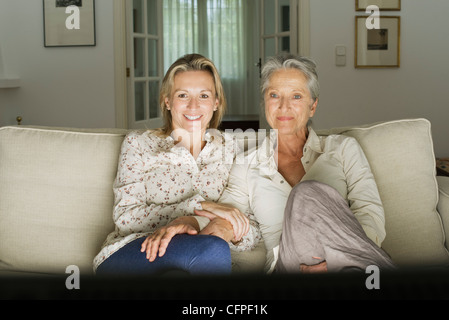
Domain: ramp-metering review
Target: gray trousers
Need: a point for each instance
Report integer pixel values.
(319, 223)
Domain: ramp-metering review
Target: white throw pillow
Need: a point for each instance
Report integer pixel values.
(55, 197)
(403, 162)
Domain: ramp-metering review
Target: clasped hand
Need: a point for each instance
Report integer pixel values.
(238, 221)
(226, 222)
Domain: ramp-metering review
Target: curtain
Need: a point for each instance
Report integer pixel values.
(217, 30)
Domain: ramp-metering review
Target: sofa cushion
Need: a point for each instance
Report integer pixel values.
(402, 160)
(55, 196)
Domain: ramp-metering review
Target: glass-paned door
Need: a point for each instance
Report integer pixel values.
(144, 61)
(278, 32)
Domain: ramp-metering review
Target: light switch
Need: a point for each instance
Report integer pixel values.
(340, 55)
(340, 50)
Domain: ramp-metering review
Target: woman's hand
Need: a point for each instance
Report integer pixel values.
(159, 240)
(239, 222)
(316, 268)
(221, 228)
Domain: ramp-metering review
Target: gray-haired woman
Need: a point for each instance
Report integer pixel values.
(314, 197)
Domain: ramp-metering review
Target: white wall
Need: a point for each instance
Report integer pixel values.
(60, 86)
(419, 88)
(75, 86)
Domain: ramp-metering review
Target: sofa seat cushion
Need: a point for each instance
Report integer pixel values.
(55, 197)
(402, 159)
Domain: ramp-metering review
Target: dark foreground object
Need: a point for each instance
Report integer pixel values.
(410, 284)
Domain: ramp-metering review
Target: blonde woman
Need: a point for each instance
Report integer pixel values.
(164, 175)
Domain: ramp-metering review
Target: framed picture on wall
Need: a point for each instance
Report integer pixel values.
(69, 23)
(384, 5)
(377, 47)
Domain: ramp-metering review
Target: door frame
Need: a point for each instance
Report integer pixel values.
(303, 26)
(120, 81)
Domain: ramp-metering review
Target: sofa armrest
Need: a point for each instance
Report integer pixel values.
(443, 204)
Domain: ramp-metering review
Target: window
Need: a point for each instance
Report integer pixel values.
(217, 30)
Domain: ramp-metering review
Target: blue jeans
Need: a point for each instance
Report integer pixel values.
(194, 254)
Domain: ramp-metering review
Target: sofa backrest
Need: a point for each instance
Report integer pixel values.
(402, 159)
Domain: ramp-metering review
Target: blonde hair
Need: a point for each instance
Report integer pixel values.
(191, 62)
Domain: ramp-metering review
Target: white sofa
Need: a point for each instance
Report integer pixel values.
(56, 196)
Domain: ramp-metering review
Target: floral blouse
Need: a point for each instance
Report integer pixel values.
(158, 182)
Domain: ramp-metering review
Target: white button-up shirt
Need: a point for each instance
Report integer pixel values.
(257, 188)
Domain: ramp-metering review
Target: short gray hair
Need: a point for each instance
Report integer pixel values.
(289, 61)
